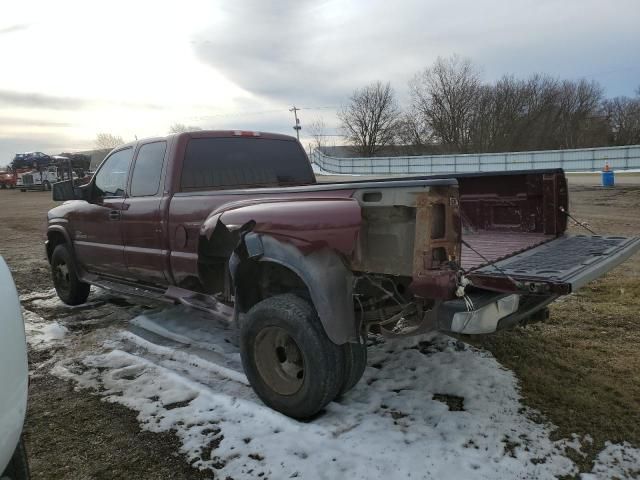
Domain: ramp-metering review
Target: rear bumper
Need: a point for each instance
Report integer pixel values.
(490, 312)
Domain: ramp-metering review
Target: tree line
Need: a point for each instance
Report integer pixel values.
(451, 110)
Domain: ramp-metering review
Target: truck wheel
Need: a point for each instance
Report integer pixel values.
(69, 287)
(355, 363)
(18, 468)
(288, 358)
(23, 189)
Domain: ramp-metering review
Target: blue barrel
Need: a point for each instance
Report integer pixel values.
(608, 179)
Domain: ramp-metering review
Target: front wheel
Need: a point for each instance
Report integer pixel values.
(18, 468)
(290, 362)
(69, 287)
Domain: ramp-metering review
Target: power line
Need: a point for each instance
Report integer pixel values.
(260, 112)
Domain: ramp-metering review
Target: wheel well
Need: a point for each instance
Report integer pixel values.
(55, 239)
(259, 280)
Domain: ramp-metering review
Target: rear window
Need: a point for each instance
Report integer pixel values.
(219, 163)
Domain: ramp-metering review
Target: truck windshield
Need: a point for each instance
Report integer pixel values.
(223, 163)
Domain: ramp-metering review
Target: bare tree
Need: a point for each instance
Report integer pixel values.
(317, 130)
(578, 106)
(108, 141)
(181, 127)
(445, 95)
(413, 131)
(623, 116)
(370, 120)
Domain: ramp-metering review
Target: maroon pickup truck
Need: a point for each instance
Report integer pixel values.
(234, 223)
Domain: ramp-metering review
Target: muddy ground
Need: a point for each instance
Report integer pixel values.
(580, 369)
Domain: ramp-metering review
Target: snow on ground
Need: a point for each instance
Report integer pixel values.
(427, 407)
(42, 334)
(615, 461)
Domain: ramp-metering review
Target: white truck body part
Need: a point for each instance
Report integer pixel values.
(13, 367)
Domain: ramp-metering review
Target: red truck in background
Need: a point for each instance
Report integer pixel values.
(234, 223)
(7, 179)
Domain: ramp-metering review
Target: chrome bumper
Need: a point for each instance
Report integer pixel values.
(455, 317)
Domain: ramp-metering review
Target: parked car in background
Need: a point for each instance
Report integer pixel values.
(13, 381)
(30, 160)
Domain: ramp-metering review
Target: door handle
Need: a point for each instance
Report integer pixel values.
(114, 215)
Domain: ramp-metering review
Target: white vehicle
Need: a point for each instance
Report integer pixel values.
(14, 381)
(41, 179)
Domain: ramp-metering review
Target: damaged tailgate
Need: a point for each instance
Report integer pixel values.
(559, 266)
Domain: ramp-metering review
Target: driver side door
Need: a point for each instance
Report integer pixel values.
(96, 227)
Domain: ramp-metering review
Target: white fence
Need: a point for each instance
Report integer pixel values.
(579, 160)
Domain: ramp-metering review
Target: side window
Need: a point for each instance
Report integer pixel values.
(145, 180)
(111, 179)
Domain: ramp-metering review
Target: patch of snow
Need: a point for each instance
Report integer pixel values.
(40, 332)
(49, 299)
(38, 295)
(615, 461)
(180, 371)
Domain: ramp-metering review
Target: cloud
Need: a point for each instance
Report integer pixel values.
(10, 98)
(13, 28)
(303, 52)
(271, 50)
(30, 122)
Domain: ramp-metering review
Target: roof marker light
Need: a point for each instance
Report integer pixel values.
(245, 133)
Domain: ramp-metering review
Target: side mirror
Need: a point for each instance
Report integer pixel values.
(63, 191)
(66, 190)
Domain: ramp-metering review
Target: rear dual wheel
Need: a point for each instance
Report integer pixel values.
(290, 362)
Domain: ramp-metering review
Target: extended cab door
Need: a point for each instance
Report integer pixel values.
(142, 219)
(96, 227)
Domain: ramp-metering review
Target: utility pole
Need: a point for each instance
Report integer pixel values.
(297, 126)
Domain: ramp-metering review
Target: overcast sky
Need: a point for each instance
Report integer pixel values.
(69, 70)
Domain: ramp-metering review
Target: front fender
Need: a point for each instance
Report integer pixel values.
(57, 229)
(329, 281)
